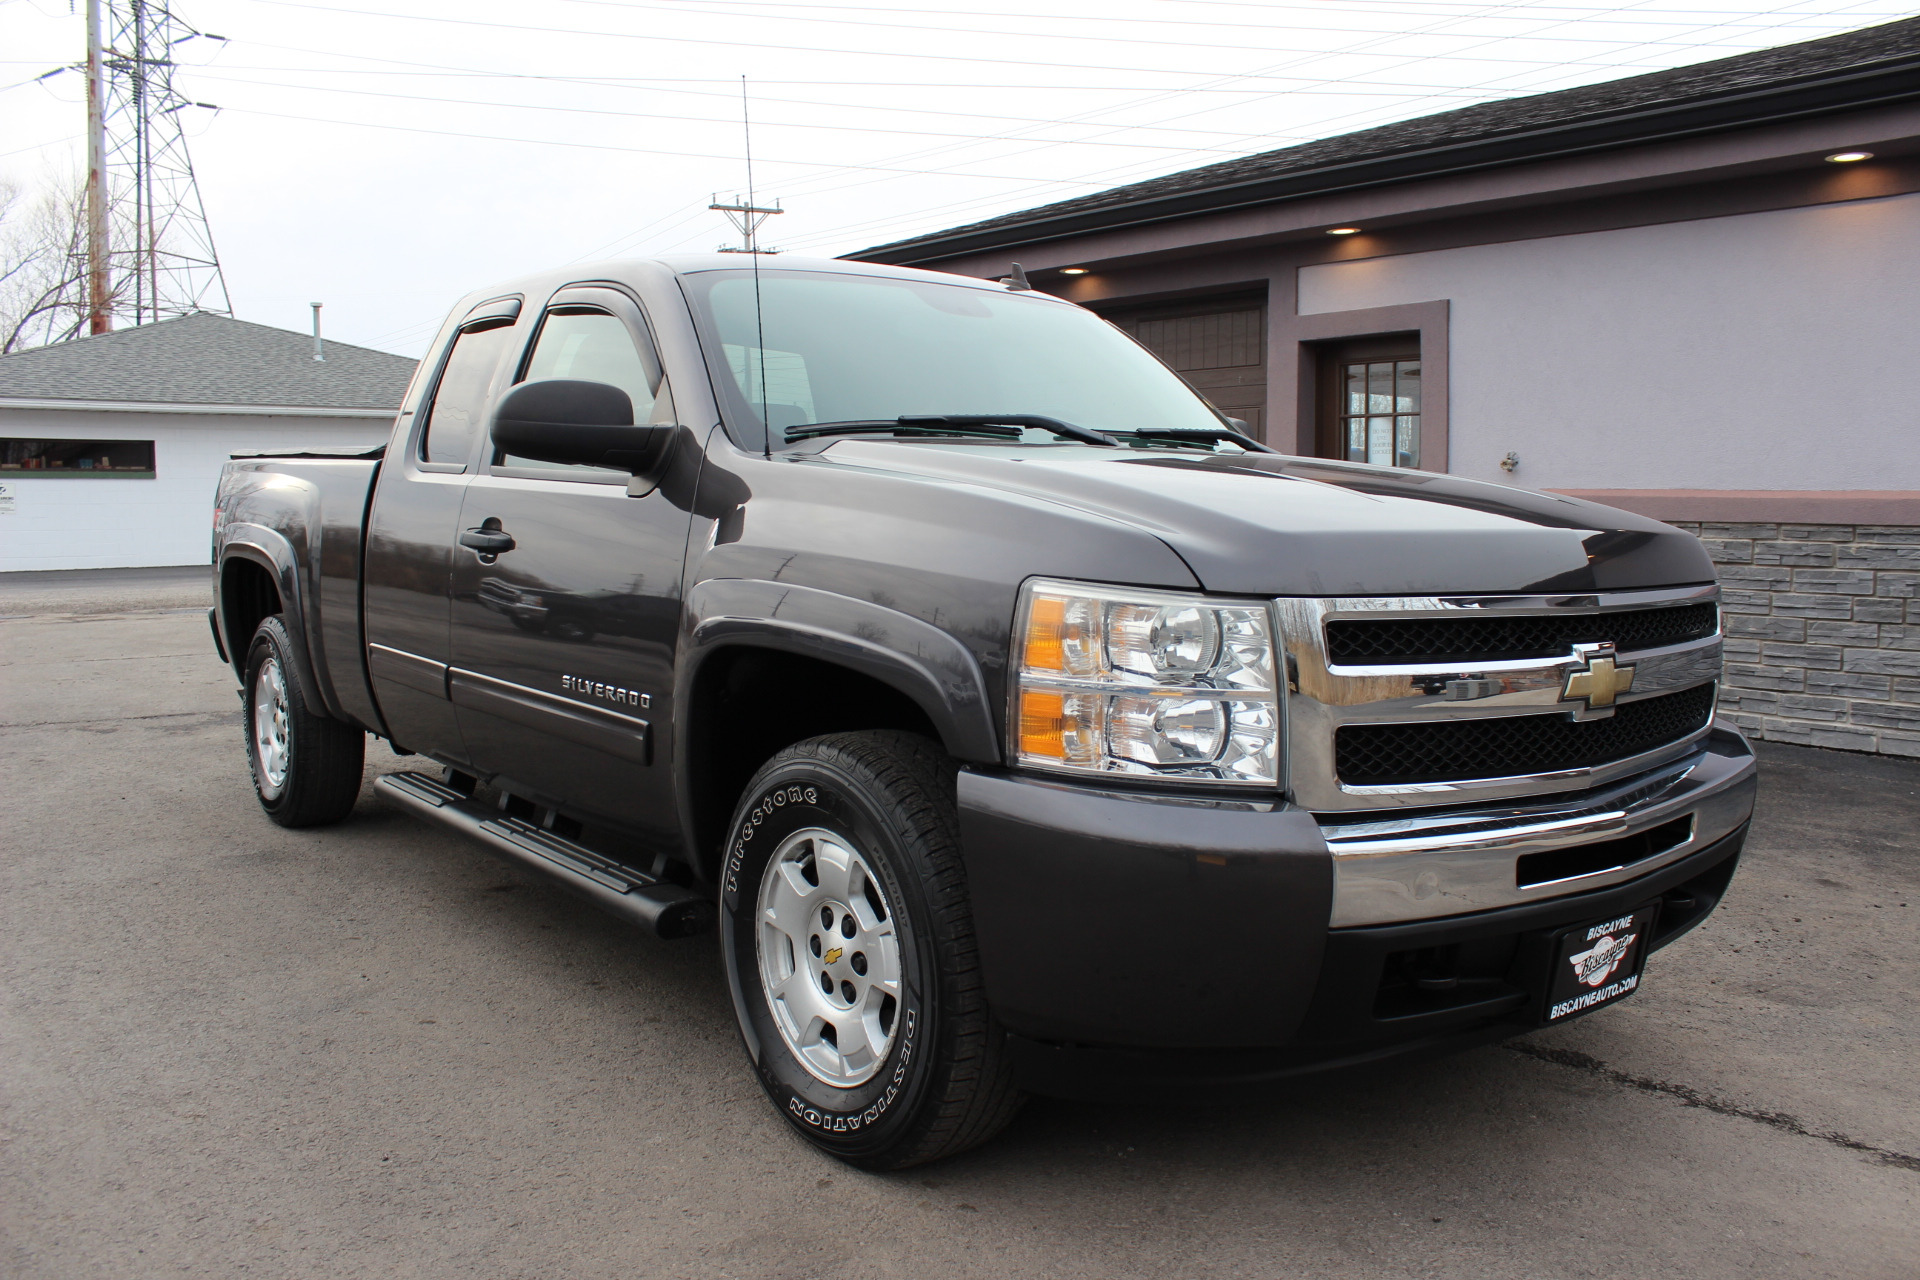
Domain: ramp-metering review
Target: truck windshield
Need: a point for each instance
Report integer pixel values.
(837, 348)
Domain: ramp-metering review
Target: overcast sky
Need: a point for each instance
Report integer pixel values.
(386, 156)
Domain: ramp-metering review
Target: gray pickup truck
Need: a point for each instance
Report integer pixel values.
(1021, 724)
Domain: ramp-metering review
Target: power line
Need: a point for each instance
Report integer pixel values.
(1104, 20)
(602, 146)
(650, 83)
(1265, 139)
(1324, 124)
(827, 234)
(1570, 12)
(951, 210)
(1170, 94)
(653, 115)
(876, 53)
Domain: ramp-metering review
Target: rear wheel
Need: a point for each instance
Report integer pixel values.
(306, 767)
(849, 946)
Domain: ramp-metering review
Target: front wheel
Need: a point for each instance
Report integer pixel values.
(306, 767)
(849, 948)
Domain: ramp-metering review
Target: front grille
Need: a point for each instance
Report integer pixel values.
(1375, 755)
(1496, 638)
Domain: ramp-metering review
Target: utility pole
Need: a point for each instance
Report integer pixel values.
(99, 304)
(141, 189)
(146, 244)
(746, 218)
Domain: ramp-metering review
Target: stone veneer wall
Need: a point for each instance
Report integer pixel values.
(1822, 626)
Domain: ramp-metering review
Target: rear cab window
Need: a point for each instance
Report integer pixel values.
(459, 405)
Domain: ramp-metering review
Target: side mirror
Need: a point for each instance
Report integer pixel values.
(579, 423)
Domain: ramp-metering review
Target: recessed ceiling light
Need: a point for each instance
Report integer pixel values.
(1073, 271)
(1848, 157)
(1343, 231)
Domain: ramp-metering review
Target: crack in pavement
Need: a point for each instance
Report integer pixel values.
(1693, 1097)
(209, 717)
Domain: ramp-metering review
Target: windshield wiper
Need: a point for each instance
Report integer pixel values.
(993, 426)
(1202, 435)
(1055, 425)
(897, 427)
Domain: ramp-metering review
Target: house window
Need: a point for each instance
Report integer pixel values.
(1370, 401)
(1380, 416)
(77, 459)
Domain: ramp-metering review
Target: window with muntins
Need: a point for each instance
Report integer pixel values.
(1380, 411)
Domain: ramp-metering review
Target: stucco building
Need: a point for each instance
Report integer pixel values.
(111, 446)
(1694, 294)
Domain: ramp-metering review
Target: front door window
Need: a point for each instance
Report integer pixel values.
(591, 346)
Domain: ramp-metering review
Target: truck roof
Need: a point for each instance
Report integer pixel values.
(636, 271)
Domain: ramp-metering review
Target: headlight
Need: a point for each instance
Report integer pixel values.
(1147, 683)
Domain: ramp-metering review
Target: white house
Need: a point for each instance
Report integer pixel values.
(110, 446)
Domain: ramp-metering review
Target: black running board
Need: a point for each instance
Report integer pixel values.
(668, 910)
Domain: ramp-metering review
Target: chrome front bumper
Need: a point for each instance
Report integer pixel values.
(1423, 866)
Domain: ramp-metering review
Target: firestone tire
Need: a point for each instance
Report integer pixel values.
(306, 768)
(849, 948)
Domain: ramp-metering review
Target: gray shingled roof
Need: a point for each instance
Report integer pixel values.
(207, 359)
(1832, 73)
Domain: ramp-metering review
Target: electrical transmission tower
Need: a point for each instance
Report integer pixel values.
(150, 253)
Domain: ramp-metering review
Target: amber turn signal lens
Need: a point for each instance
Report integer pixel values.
(1046, 628)
(1043, 723)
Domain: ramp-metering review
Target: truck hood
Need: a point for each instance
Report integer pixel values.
(1265, 524)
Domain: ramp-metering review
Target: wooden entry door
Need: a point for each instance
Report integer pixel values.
(1219, 345)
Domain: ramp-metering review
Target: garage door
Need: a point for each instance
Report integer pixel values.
(1220, 346)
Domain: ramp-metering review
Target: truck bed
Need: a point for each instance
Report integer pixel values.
(300, 518)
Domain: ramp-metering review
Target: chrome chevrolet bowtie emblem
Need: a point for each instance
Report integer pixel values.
(1596, 682)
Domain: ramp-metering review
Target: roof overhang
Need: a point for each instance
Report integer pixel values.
(234, 410)
(1889, 82)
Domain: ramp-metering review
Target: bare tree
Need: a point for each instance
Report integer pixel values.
(43, 264)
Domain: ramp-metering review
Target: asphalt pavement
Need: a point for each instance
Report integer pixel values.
(227, 1049)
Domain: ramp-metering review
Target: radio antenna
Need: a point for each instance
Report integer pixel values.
(746, 217)
(753, 252)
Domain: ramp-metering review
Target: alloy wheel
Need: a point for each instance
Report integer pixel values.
(829, 957)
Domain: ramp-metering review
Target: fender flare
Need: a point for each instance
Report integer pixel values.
(928, 665)
(901, 651)
(271, 550)
(925, 664)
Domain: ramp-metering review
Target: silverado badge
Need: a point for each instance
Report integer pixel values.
(1596, 682)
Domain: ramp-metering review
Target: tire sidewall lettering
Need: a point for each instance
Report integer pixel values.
(764, 807)
(779, 808)
(828, 1121)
